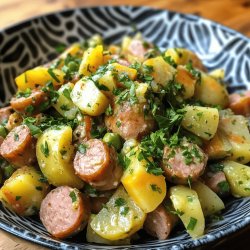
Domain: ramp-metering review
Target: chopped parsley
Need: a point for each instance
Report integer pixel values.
(155, 188)
(73, 196)
(194, 72)
(24, 94)
(192, 223)
(118, 123)
(120, 202)
(53, 75)
(18, 197)
(16, 137)
(66, 92)
(109, 110)
(39, 188)
(223, 187)
(43, 179)
(63, 152)
(124, 211)
(29, 109)
(45, 149)
(82, 148)
(169, 60)
(64, 107)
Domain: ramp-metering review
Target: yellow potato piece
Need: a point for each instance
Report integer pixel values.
(183, 56)
(92, 59)
(238, 176)
(162, 72)
(64, 104)
(54, 151)
(88, 98)
(210, 91)
(211, 203)
(201, 121)
(109, 82)
(147, 190)
(120, 218)
(92, 236)
(121, 69)
(186, 79)
(188, 207)
(39, 76)
(24, 191)
(236, 129)
(218, 147)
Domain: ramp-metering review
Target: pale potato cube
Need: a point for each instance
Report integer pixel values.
(88, 98)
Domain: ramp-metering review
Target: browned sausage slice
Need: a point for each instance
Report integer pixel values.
(19, 147)
(159, 223)
(5, 114)
(31, 104)
(98, 165)
(64, 212)
(217, 182)
(183, 163)
(130, 121)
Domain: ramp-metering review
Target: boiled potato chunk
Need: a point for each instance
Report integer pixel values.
(92, 236)
(120, 218)
(92, 59)
(201, 121)
(24, 191)
(236, 129)
(210, 91)
(187, 205)
(187, 80)
(211, 203)
(238, 176)
(39, 76)
(64, 105)
(183, 56)
(147, 190)
(54, 151)
(162, 72)
(73, 50)
(88, 98)
(109, 82)
(121, 69)
(219, 147)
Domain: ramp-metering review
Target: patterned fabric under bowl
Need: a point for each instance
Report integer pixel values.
(33, 42)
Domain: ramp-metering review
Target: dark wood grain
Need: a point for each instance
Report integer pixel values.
(232, 13)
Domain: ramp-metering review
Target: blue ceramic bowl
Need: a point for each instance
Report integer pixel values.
(33, 42)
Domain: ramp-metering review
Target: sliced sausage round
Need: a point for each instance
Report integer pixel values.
(159, 223)
(130, 121)
(31, 104)
(5, 114)
(217, 182)
(64, 212)
(183, 163)
(18, 147)
(98, 165)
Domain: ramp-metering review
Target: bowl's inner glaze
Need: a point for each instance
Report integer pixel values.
(33, 42)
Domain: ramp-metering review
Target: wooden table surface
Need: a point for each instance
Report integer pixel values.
(232, 13)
